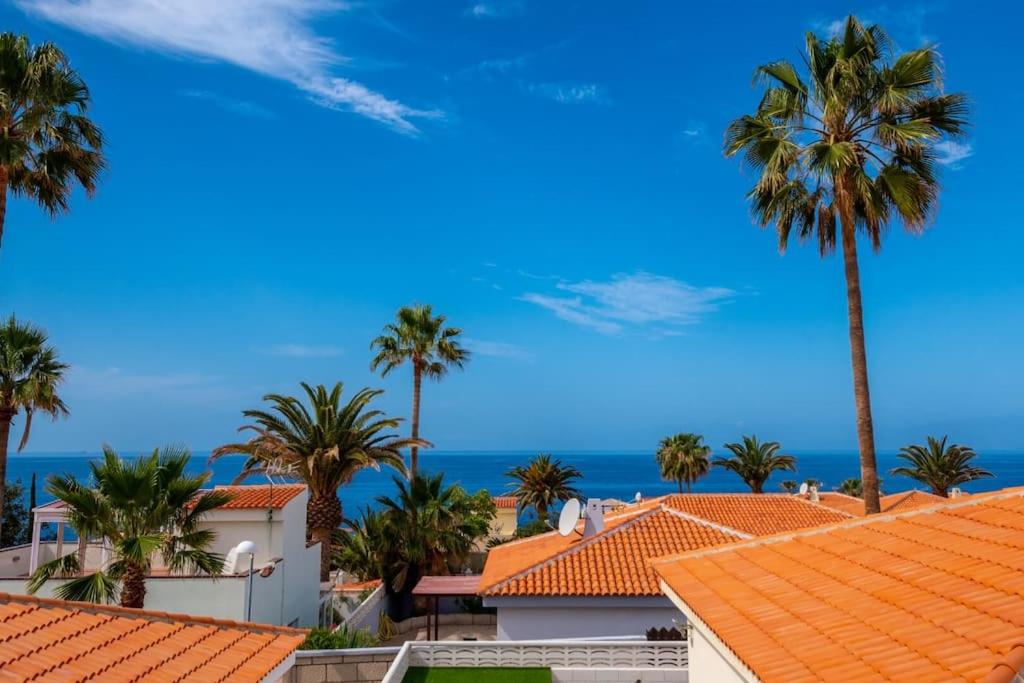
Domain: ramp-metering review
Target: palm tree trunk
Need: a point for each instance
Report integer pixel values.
(859, 361)
(323, 517)
(133, 587)
(3, 200)
(417, 380)
(6, 417)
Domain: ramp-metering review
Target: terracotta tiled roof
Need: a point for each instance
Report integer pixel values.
(55, 640)
(895, 502)
(505, 502)
(261, 496)
(616, 562)
(931, 594)
(756, 514)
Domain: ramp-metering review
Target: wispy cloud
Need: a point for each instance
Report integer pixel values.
(115, 381)
(496, 349)
(495, 9)
(655, 303)
(571, 93)
(274, 38)
(241, 107)
(304, 351)
(951, 153)
(905, 24)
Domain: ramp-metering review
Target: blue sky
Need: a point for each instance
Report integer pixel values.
(284, 175)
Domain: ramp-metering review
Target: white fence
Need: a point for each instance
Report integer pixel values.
(550, 654)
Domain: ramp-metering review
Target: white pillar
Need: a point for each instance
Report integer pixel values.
(33, 560)
(60, 539)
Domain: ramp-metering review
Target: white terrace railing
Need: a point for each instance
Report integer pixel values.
(568, 654)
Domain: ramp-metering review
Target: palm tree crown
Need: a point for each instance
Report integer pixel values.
(543, 483)
(422, 339)
(754, 461)
(49, 143)
(940, 466)
(323, 445)
(30, 375)
(142, 508)
(851, 487)
(683, 458)
(848, 145)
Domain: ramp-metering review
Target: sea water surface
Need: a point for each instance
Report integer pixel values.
(606, 474)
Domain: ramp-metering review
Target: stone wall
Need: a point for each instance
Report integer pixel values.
(366, 665)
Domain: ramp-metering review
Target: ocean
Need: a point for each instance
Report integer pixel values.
(606, 474)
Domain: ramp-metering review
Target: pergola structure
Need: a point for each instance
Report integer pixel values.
(54, 512)
(437, 587)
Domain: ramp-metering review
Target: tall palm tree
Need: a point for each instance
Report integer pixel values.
(30, 374)
(48, 142)
(940, 466)
(421, 338)
(848, 145)
(683, 458)
(754, 461)
(142, 508)
(324, 446)
(543, 483)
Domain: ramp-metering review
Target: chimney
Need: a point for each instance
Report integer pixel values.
(813, 491)
(594, 523)
(955, 492)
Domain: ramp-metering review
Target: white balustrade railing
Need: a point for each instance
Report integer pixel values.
(364, 616)
(575, 654)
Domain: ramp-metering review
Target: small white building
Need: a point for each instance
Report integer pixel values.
(601, 584)
(283, 587)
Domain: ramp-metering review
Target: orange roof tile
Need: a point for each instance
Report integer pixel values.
(894, 502)
(50, 640)
(261, 496)
(616, 562)
(929, 594)
(505, 502)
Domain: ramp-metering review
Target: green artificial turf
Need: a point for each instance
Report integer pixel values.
(474, 674)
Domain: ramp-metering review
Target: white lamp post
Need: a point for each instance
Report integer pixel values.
(248, 548)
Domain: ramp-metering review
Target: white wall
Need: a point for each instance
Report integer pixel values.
(707, 664)
(553, 618)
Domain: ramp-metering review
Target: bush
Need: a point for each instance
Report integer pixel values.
(342, 639)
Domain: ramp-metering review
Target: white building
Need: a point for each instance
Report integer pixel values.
(602, 584)
(283, 588)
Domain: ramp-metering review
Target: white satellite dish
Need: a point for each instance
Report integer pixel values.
(803, 489)
(569, 517)
(638, 498)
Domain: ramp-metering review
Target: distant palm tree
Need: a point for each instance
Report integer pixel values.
(421, 338)
(789, 486)
(754, 461)
(543, 483)
(323, 446)
(48, 143)
(851, 487)
(939, 466)
(30, 374)
(683, 458)
(850, 147)
(141, 508)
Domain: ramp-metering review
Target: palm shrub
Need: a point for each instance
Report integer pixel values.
(683, 458)
(323, 445)
(789, 486)
(49, 144)
(851, 487)
(30, 376)
(426, 528)
(755, 461)
(846, 146)
(543, 483)
(420, 338)
(939, 466)
(142, 508)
